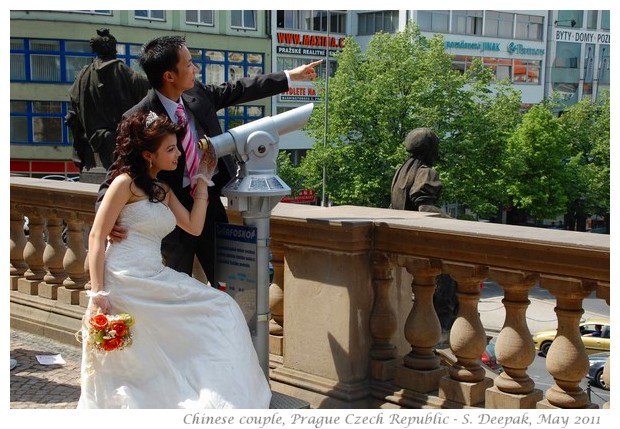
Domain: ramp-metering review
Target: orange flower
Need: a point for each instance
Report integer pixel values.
(99, 322)
(112, 344)
(119, 327)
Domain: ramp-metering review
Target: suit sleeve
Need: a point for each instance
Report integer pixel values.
(246, 90)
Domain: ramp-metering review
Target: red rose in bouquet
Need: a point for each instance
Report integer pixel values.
(99, 322)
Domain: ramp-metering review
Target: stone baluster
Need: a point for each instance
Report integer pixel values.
(514, 347)
(567, 360)
(74, 261)
(18, 243)
(33, 254)
(467, 382)
(276, 301)
(421, 369)
(382, 319)
(603, 292)
(53, 256)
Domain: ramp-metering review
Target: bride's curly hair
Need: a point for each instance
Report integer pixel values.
(136, 133)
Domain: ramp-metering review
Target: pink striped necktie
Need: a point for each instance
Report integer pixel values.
(191, 154)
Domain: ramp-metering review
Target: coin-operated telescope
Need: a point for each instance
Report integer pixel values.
(254, 192)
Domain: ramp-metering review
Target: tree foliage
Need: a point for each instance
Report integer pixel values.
(535, 163)
(492, 156)
(587, 132)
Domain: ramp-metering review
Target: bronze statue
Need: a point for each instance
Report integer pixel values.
(101, 93)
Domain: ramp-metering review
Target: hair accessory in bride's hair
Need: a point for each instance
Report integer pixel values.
(150, 118)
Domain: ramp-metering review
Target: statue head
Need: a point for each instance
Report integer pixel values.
(423, 143)
(104, 44)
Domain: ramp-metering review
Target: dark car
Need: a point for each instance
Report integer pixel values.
(595, 373)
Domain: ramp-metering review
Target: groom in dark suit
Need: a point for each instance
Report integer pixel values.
(168, 65)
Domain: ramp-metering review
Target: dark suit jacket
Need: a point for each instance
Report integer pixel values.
(204, 101)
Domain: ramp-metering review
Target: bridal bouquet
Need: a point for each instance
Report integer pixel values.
(108, 332)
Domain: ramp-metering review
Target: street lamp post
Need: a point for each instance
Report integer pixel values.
(324, 196)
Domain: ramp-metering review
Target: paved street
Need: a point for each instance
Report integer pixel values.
(34, 385)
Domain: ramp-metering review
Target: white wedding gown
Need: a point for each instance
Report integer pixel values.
(191, 343)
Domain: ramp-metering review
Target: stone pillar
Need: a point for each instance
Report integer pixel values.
(567, 360)
(33, 254)
(383, 320)
(514, 347)
(53, 256)
(18, 243)
(421, 369)
(74, 261)
(467, 382)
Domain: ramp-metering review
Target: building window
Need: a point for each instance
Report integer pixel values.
(47, 60)
(245, 19)
(152, 15)
(605, 20)
(461, 62)
(375, 22)
(565, 71)
(436, 21)
(338, 22)
(570, 18)
(312, 20)
(287, 63)
(603, 61)
(58, 61)
(38, 122)
(467, 22)
(502, 67)
(221, 66)
(129, 54)
(199, 17)
(499, 24)
(592, 19)
(239, 115)
(526, 71)
(529, 27)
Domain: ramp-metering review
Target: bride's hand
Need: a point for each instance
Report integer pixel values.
(99, 304)
(207, 165)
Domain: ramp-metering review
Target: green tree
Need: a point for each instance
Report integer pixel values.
(586, 130)
(472, 160)
(536, 178)
(403, 81)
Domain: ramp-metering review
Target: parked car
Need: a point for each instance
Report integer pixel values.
(489, 358)
(595, 373)
(594, 334)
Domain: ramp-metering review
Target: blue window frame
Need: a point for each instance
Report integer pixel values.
(39, 123)
(54, 61)
(48, 60)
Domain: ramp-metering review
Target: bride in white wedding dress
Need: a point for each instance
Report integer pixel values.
(191, 347)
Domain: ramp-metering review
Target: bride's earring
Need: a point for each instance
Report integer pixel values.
(150, 164)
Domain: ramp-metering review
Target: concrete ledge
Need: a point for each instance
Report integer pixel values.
(44, 317)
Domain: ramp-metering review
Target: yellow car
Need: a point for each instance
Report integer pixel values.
(594, 334)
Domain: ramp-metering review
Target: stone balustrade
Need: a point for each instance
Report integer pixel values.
(352, 316)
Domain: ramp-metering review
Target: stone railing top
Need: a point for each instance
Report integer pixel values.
(360, 229)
